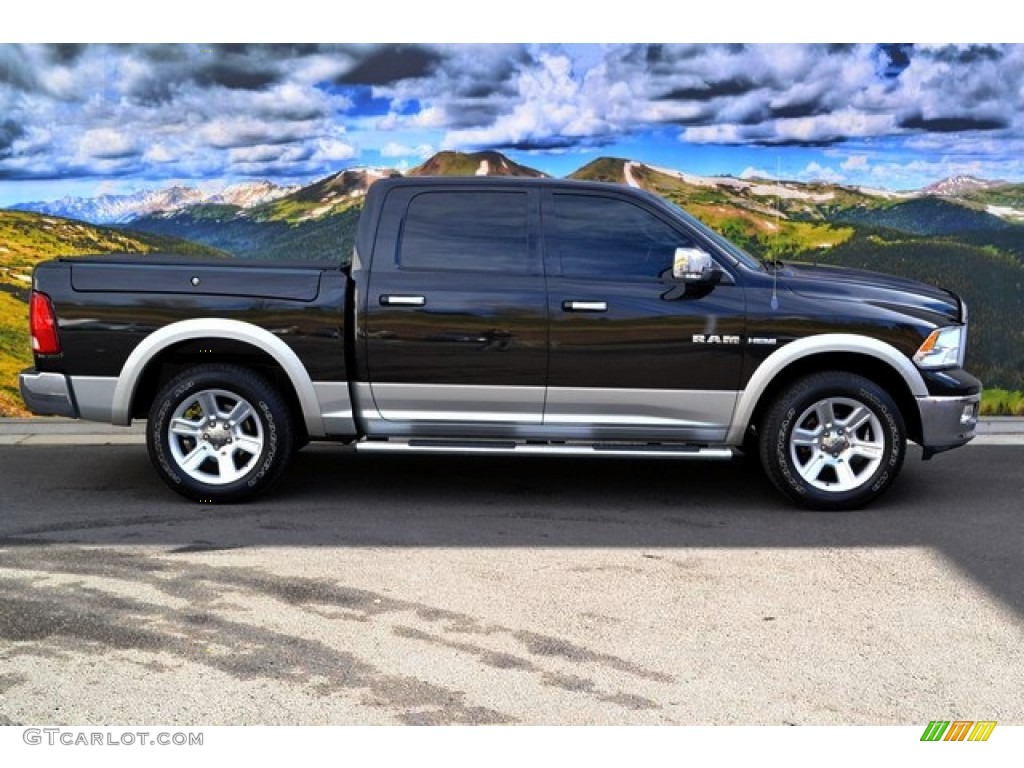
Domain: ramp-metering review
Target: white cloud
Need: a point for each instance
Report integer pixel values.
(159, 154)
(855, 163)
(554, 106)
(243, 131)
(106, 144)
(395, 149)
(843, 124)
(714, 134)
(167, 111)
(814, 171)
(261, 153)
(332, 150)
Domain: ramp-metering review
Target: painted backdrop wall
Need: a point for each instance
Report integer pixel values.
(902, 158)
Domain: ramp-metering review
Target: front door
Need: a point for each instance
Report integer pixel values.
(632, 353)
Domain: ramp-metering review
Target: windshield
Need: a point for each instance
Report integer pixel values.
(729, 247)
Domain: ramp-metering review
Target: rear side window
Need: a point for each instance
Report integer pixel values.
(613, 238)
(467, 231)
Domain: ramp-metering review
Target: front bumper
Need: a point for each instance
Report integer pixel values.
(947, 422)
(47, 394)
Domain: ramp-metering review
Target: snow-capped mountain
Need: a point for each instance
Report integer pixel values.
(121, 209)
(957, 186)
(249, 194)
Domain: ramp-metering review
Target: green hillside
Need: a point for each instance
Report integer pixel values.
(450, 163)
(925, 216)
(331, 196)
(609, 169)
(1008, 195)
(266, 234)
(28, 238)
(744, 212)
(991, 282)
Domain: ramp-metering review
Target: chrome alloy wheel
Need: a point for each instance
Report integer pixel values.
(837, 444)
(215, 436)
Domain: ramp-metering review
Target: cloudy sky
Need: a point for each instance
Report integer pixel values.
(87, 119)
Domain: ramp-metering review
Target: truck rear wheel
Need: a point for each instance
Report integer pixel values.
(219, 433)
(833, 441)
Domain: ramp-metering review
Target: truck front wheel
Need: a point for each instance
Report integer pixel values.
(833, 441)
(219, 433)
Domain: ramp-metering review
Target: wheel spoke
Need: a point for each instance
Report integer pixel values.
(195, 458)
(867, 450)
(823, 411)
(812, 469)
(208, 401)
(240, 412)
(227, 469)
(858, 417)
(185, 428)
(845, 474)
(805, 437)
(250, 445)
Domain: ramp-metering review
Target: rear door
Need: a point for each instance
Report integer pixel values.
(456, 311)
(632, 353)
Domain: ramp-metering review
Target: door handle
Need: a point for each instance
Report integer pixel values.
(390, 300)
(584, 306)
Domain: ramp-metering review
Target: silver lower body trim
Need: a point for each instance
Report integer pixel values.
(94, 396)
(335, 408)
(948, 422)
(694, 408)
(552, 413)
(47, 394)
(458, 403)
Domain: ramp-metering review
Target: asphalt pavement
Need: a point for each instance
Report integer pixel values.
(380, 589)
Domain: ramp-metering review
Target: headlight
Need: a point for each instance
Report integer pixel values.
(943, 348)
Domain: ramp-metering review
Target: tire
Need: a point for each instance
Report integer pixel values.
(219, 433)
(833, 441)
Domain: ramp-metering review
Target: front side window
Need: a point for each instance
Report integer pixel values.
(467, 231)
(609, 237)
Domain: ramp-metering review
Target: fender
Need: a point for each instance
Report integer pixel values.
(220, 328)
(814, 345)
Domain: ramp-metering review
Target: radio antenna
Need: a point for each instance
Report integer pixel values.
(778, 225)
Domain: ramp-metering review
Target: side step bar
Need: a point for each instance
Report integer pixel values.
(511, 448)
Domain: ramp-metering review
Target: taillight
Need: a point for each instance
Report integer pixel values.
(43, 323)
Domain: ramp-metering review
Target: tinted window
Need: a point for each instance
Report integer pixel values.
(607, 237)
(478, 231)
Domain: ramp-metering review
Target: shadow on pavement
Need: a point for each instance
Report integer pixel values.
(965, 505)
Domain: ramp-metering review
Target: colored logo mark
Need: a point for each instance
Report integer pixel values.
(958, 730)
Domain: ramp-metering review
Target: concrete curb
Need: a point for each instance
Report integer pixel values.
(992, 430)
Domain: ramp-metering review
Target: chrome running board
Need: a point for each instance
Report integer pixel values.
(456, 447)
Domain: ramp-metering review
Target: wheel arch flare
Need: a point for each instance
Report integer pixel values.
(160, 340)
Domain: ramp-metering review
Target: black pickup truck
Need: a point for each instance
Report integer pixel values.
(508, 317)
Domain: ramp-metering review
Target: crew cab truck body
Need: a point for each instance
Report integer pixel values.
(508, 316)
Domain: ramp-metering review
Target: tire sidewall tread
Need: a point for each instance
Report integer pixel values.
(271, 410)
(778, 423)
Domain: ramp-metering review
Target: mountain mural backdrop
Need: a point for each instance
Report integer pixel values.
(900, 158)
(963, 233)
